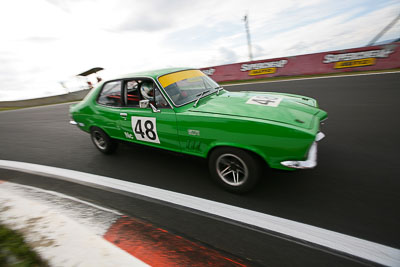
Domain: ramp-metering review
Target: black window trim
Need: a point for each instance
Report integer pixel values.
(123, 82)
(125, 97)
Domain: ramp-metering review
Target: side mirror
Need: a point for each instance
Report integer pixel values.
(154, 109)
(144, 103)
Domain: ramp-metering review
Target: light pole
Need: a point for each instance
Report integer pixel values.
(246, 25)
(379, 35)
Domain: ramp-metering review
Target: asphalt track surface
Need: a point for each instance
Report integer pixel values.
(354, 190)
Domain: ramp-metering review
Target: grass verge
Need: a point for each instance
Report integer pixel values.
(10, 108)
(13, 108)
(305, 76)
(14, 252)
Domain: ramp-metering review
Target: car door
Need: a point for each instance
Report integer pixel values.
(108, 105)
(143, 124)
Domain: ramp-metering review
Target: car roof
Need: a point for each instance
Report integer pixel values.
(152, 73)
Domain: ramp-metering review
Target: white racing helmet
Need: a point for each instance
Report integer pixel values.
(147, 90)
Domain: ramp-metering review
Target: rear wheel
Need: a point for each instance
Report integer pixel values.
(234, 169)
(102, 141)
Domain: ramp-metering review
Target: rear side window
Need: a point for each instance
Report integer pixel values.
(111, 94)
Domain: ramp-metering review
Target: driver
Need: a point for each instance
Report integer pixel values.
(147, 90)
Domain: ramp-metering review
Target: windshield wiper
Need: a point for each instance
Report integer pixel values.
(219, 89)
(200, 96)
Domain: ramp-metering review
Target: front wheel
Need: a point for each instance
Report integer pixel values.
(234, 169)
(102, 141)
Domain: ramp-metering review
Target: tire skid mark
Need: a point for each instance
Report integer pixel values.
(158, 247)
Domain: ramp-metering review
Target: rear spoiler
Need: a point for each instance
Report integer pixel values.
(91, 71)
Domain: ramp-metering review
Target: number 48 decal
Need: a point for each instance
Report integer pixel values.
(145, 129)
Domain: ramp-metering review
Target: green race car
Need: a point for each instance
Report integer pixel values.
(183, 110)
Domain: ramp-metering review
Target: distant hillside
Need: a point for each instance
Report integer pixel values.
(387, 41)
(73, 96)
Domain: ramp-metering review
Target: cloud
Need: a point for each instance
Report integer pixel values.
(154, 15)
(66, 5)
(41, 39)
(201, 36)
(62, 4)
(298, 46)
(63, 37)
(346, 28)
(145, 22)
(258, 51)
(223, 55)
(227, 55)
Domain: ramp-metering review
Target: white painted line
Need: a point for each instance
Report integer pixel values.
(313, 78)
(56, 238)
(343, 243)
(97, 219)
(63, 196)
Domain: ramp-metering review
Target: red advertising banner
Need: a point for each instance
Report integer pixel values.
(358, 59)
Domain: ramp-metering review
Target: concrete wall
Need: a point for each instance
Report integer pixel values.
(379, 57)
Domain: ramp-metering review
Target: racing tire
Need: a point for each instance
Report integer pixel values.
(234, 169)
(102, 141)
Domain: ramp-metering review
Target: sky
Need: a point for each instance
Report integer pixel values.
(46, 42)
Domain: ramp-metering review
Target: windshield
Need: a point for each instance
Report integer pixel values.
(186, 86)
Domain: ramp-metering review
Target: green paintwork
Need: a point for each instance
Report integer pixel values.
(152, 73)
(276, 134)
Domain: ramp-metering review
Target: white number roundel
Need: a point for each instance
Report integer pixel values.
(145, 129)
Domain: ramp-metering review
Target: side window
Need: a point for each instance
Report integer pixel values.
(111, 94)
(132, 94)
(160, 100)
(136, 90)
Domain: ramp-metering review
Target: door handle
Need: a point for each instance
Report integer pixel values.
(123, 114)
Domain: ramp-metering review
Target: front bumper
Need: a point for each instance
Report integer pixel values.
(80, 124)
(311, 160)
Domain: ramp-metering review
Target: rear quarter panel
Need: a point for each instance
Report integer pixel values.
(89, 112)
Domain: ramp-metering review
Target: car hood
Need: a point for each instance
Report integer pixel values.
(285, 108)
